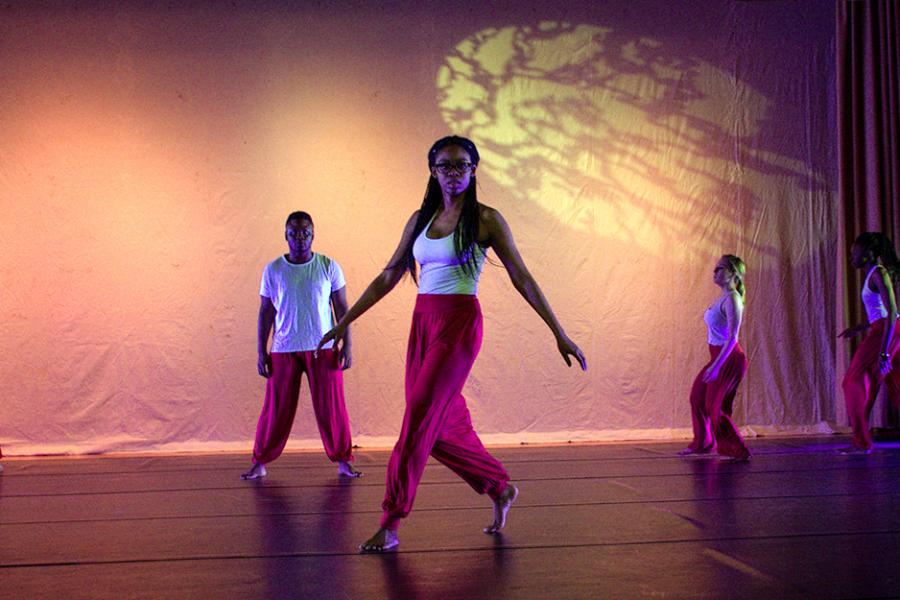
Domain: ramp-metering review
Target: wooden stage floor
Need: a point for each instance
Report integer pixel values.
(592, 521)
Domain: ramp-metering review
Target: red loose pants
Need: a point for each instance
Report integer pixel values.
(711, 405)
(326, 386)
(863, 378)
(443, 343)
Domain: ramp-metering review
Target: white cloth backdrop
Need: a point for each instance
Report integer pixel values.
(150, 153)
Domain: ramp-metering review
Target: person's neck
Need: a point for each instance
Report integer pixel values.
(451, 203)
(729, 287)
(299, 259)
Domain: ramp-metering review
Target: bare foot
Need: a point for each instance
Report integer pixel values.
(742, 456)
(345, 469)
(257, 471)
(688, 451)
(854, 450)
(384, 540)
(501, 508)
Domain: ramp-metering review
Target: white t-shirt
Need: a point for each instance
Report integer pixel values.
(302, 296)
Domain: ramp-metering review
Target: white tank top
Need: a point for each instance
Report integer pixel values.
(875, 308)
(441, 271)
(717, 322)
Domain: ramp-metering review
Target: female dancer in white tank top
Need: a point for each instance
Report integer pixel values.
(712, 394)
(875, 358)
(448, 236)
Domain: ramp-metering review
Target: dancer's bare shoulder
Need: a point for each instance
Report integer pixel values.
(488, 214)
(491, 225)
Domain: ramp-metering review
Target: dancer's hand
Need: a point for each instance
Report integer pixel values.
(711, 373)
(886, 366)
(264, 364)
(568, 347)
(337, 334)
(345, 356)
(852, 332)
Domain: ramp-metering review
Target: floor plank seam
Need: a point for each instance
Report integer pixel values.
(252, 486)
(382, 465)
(491, 549)
(452, 508)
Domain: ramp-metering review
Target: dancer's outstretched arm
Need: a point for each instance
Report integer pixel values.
(378, 289)
(852, 332)
(501, 240)
(882, 281)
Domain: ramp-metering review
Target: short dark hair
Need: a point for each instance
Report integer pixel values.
(298, 215)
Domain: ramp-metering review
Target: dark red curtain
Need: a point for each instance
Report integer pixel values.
(868, 84)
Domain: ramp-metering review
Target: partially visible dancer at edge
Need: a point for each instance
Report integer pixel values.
(449, 237)
(712, 395)
(297, 294)
(872, 361)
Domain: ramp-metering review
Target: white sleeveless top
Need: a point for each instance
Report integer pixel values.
(717, 322)
(875, 308)
(441, 271)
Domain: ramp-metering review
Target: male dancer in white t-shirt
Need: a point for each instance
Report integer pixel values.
(297, 293)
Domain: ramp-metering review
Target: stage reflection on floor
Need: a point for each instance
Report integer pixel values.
(593, 521)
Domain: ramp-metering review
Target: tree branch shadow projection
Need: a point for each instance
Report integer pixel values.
(642, 164)
(601, 129)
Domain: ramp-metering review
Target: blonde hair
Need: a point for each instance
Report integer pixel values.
(737, 267)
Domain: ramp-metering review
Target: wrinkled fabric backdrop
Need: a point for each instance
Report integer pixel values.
(150, 152)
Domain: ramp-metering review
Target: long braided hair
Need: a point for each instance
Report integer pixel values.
(465, 236)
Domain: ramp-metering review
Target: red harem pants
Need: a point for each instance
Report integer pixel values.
(863, 378)
(443, 343)
(326, 386)
(711, 405)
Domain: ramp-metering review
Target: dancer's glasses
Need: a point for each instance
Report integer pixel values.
(445, 168)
